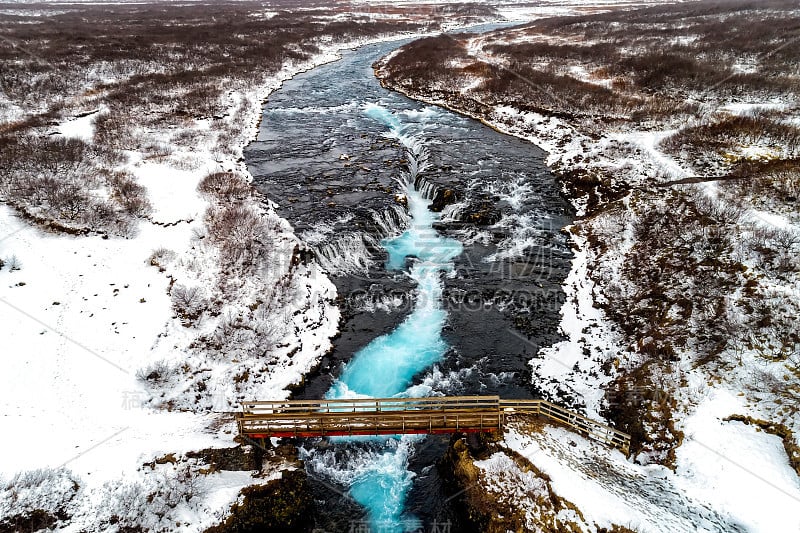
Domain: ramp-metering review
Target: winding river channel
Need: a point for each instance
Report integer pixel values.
(443, 238)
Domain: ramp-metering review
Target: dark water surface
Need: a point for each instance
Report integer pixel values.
(333, 171)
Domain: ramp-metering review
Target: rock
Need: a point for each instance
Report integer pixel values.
(36, 520)
(302, 255)
(458, 466)
(282, 505)
(240, 458)
(483, 213)
(443, 198)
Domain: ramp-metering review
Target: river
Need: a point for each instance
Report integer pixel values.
(455, 301)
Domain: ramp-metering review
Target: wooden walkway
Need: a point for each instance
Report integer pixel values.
(402, 416)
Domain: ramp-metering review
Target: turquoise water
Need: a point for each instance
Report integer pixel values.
(387, 365)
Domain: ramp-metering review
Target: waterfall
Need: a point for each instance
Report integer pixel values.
(426, 187)
(376, 471)
(348, 253)
(353, 252)
(391, 222)
(454, 212)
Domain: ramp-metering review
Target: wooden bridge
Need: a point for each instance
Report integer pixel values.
(402, 416)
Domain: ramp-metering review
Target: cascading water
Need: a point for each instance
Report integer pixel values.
(426, 188)
(378, 477)
(352, 251)
(323, 158)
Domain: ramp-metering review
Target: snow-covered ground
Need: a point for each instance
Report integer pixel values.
(81, 316)
(712, 489)
(729, 476)
(590, 342)
(86, 319)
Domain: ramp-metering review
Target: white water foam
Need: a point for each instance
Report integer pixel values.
(376, 471)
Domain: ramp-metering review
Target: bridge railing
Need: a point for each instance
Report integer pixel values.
(368, 416)
(289, 407)
(587, 426)
(371, 423)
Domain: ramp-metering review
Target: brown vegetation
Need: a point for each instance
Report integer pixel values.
(148, 67)
(660, 62)
(491, 509)
(56, 179)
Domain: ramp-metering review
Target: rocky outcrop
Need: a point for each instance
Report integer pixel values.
(482, 213)
(35, 521)
(240, 458)
(282, 505)
(442, 199)
(493, 501)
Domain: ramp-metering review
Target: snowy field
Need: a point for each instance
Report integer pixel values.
(85, 319)
(728, 477)
(83, 315)
(708, 491)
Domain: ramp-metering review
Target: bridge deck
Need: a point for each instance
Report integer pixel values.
(391, 416)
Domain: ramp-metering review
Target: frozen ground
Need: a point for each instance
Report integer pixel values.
(729, 476)
(709, 491)
(84, 319)
(81, 316)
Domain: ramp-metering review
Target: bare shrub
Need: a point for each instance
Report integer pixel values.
(775, 180)
(227, 187)
(227, 325)
(160, 257)
(255, 334)
(724, 213)
(36, 497)
(13, 263)
(114, 129)
(188, 302)
(241, 233)
(152, 75)
(202, 101)
(53, 181)
(131, 196)
(187, 137)
(732, 132)
(57, 156)
(780, 248)
(157, 150)
(67, 200)
(157, 373)
(149, 504)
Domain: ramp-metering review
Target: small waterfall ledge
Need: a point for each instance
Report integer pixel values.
(377, 472)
